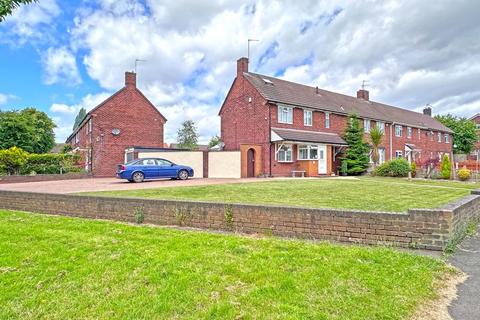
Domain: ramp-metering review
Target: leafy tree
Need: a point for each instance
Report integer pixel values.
(215, 140)
(376, 136)
(7, 6)
(29, 129)
(66, 148)
(187, 136)
(78, 119)
(464, 132)
(12, 159)
(445, 167)
(356, 156)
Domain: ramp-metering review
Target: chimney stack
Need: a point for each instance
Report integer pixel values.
(363, 94)
(427, 111)
(130, 79)
(242, 66)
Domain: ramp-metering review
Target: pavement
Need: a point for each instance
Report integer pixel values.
(110, 184)
(467, 259)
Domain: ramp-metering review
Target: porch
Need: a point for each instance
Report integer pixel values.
(309, 152)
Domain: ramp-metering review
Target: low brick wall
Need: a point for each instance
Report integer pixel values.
(423, 229)
(43, 177)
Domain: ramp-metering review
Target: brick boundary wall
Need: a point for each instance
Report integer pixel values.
(42, 177)
(430, 229)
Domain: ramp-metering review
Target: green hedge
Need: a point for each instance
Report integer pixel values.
(393, 168)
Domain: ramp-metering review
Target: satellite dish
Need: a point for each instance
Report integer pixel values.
(116, 131)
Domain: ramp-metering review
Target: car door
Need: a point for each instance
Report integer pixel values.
(149, 168)
(166, 169)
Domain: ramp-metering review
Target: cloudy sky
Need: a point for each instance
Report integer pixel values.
(61, 56)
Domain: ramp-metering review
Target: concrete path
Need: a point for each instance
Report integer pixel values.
(107, 184)
(467, 258)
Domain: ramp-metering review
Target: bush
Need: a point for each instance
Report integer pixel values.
(12, 160)
(464, 174)
(446, 167)
(413, 168)
(393, 168)
(50, 163)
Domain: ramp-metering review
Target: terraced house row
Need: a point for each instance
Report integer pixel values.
(282, 127)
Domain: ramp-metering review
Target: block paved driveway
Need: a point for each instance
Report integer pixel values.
(105, 184)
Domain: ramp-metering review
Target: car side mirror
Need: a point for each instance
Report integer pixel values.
(172, 164)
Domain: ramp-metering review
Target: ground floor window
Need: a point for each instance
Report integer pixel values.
(381, 155)
(284, 153)
(307, 152)
(399, 154)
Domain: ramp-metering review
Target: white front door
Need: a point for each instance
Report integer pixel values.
(322, 159)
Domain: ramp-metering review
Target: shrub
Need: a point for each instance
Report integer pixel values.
(464, 174)
(11, 160)
(50, 163)
(393, 168)
(413, 169)
(445, 167)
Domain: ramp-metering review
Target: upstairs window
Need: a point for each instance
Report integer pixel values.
(284, 153)
(439, 137)
(90, 125)
(307, 118)
(381, 126)
(409, 132)
(419, 133)
(77, 138)
(447, 138)
(285, 114)
(366, 125)
(398, 130)
(327, 120)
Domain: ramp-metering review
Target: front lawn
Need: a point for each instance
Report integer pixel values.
(378, 194)
(69, 268)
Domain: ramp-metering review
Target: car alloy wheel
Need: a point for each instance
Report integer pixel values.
(138, 177)
(183, 175)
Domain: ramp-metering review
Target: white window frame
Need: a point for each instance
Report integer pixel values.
(381, 155)
(288, 112)
(309, 148)
(77, 137)
(409, 132)
(398, 152)
(309, 117)
(90, 126)
(419, 133)
(288, 151)
(439, 137)
(398, 133)
(447, 138)
(381, 126)
(327, 120)
(366, 125)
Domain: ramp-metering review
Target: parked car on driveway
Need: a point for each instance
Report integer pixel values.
(152, 168)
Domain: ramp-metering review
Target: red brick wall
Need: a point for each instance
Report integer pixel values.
(139, 123)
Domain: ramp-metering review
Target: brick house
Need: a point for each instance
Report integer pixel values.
(281, 126)
(125, 119)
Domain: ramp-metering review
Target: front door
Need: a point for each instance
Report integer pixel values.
(251, 163)
(322, 159)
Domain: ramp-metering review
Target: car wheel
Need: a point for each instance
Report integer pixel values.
(183, 175)
(130, 180)
(138, 177)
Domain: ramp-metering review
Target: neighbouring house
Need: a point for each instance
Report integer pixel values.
(281, 126)
(125, 119)
(476, 152)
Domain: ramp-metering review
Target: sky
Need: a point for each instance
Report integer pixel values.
(60, 56)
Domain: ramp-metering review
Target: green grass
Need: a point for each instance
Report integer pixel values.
(378, 194)
(68, 268)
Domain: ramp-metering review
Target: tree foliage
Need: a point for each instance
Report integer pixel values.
(78, 119)
(356, 156)
(376, 136)
(464, 132)
(7, 6)
(28, 129)
(445, 167)
(12, 159)
(187, 136)
(215, 140)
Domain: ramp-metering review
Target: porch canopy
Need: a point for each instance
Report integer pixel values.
(303, 136)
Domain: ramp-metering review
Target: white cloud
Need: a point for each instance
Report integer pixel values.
(430, 55)
(64, 114)
(27, 22)
(4, 98)
(60, 67)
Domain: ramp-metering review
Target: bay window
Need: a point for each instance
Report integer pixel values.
(284, 153)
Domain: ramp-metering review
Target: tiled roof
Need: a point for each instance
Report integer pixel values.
(281, 91)
(306, 136)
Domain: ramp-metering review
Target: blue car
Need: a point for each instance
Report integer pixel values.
(152, 168)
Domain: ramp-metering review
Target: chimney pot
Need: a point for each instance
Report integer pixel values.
(130, 79)
(242, 66)
(427, 111)
(363, 94)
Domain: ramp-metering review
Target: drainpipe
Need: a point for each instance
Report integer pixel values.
(270, 139)
(391, 139)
